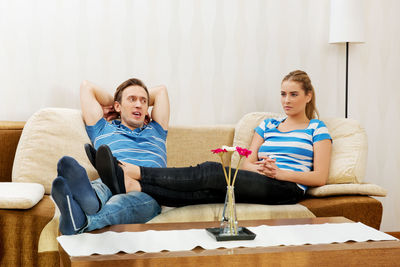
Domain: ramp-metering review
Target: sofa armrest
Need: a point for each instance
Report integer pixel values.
(19, 234)
(363, 209)
(10, 132)
(20, 195)
(347, 189)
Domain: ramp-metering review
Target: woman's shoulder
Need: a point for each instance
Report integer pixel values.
(319, 130)
(271, 123)
(316, 123)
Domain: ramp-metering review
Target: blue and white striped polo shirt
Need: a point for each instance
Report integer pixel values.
(143, 146)
(292, 150)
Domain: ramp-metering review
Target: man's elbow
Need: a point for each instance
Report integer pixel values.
(85, 86)
(161, 89)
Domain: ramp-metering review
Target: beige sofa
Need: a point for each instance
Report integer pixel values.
(29, 219)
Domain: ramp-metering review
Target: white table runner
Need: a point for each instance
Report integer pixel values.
(177, 240)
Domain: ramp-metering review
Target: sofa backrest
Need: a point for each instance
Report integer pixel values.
(191, 145)
(10, 132)
(54, 132)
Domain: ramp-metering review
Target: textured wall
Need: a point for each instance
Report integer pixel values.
(219, 59)
(375, 101)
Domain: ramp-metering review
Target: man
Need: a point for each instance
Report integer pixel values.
(134, 139)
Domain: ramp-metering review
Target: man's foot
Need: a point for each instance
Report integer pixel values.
(110, 172)
(72, 217)
(91, 153)
(79, 183)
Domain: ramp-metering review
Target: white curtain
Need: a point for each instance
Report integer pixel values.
(220, 59)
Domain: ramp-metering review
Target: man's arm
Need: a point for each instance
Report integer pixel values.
(160, 101)
(93, 100)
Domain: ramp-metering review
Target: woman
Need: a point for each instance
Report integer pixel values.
(292, 154)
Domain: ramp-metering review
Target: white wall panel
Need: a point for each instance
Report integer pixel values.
(219, 58)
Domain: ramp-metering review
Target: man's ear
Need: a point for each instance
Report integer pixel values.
(147, 118)
(117, 106)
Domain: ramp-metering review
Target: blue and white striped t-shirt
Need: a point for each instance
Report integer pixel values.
(292, 150)
(143, 146)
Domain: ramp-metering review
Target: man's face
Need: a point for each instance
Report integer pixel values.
(133, 106)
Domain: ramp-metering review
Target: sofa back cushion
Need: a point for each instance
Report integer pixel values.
(349, 148)
(48, 135)
(52, 133)
(191, 145)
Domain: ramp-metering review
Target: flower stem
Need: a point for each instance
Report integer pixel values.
(237, 168)
(229, 180)
(230, 203)
(223, 168)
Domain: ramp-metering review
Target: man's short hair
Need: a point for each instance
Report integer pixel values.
(127, 83)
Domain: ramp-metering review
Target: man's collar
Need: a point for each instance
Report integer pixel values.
(120, 125)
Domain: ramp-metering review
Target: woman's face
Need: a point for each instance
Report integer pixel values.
(293, 98)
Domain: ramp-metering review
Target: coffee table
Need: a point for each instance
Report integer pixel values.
(380, 253)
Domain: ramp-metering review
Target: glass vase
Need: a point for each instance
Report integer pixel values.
(229, 225)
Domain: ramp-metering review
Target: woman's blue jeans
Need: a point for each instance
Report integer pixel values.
(132, 207)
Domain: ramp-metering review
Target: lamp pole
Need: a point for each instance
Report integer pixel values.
(347, 26)
(347, 79)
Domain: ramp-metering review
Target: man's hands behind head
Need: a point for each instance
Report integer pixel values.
(109, 113)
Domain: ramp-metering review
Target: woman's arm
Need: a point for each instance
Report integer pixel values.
(249, 163)
(317, 177)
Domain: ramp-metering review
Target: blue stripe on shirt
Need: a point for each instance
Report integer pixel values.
(292, 150)
(144, 146)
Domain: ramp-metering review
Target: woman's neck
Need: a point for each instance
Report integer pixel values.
(294, 123)
(299, 119)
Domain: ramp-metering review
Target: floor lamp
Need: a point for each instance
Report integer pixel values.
(346, 26)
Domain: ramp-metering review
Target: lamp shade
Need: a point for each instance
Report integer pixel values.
(347, 21)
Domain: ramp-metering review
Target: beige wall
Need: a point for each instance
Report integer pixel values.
(219, 59)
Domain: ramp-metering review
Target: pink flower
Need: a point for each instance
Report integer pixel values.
(243, 151)
(218, 150)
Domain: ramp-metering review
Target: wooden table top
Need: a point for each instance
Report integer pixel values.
(201, 225)
(349, 253)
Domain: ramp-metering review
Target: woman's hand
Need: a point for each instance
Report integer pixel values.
(268, 167)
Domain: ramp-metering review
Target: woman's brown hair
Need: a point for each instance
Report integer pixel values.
(302, 78)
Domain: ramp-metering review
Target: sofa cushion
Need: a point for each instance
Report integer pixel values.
(349, 149)
(20, 195)
(191, 145)
(48, 135)
(347, 189)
